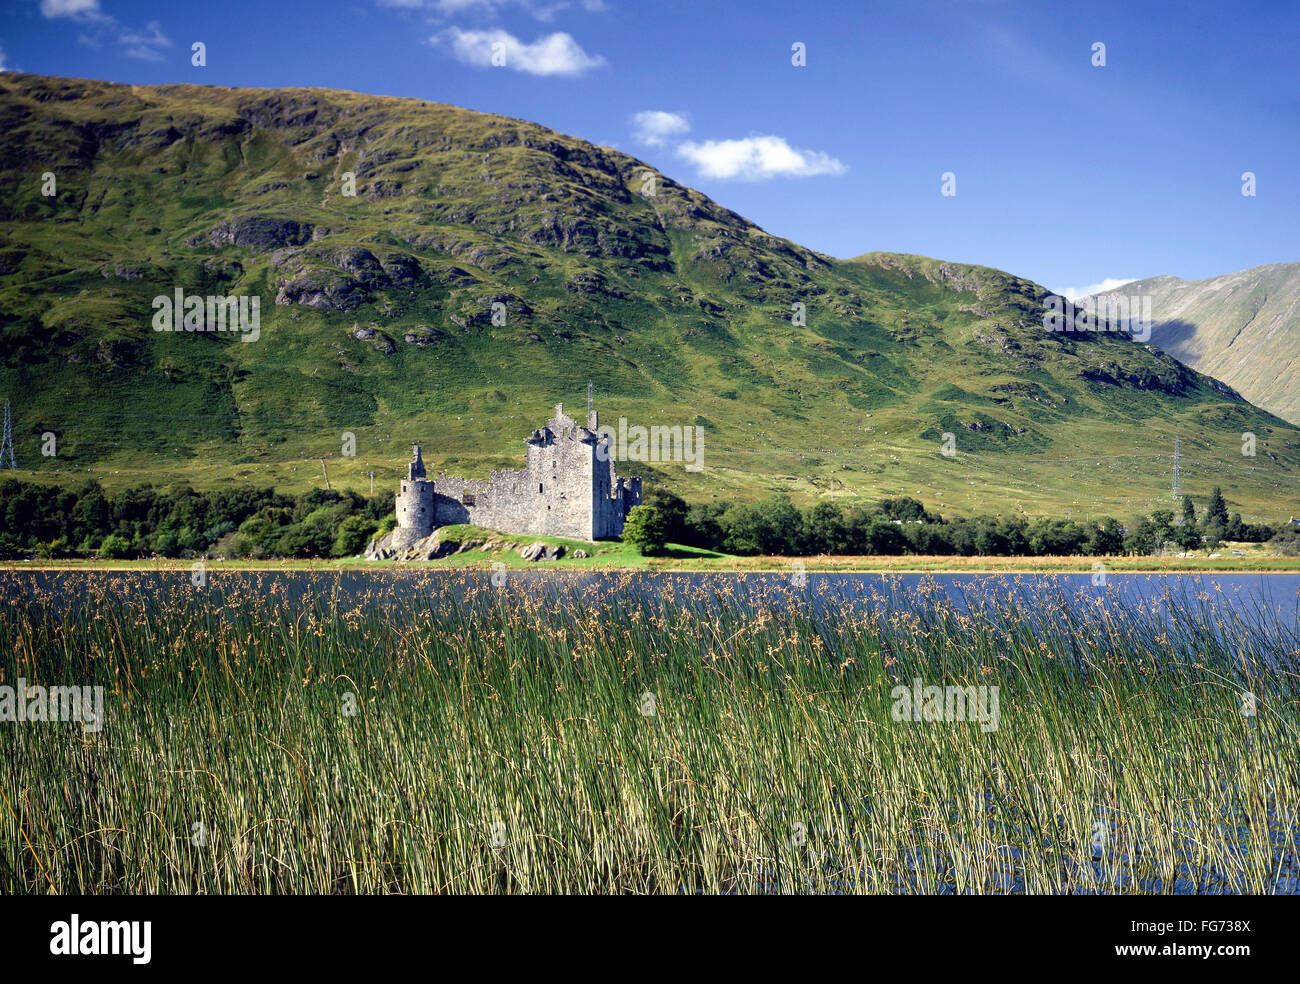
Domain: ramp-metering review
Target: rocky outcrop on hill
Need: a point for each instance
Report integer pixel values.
(260, 233)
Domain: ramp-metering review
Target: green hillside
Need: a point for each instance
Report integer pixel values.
(376, 319)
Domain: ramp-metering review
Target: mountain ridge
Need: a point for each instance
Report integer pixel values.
(1242, 328)
(377, 318)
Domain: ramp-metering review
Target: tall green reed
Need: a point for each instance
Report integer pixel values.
(432, 733)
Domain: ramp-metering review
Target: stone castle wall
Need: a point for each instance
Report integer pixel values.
(564, 489)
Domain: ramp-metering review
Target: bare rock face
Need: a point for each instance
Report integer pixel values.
(321, 288)
(540, 551)
(359, 262)
(422, 336)
(260, 233)
(129, 271)
(393, 546)
(341, 279)
(430, 548)
(380, 548)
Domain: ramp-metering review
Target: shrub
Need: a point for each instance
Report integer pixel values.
(115, 547)
(645, 529)
(1286, 543)
(352, 536)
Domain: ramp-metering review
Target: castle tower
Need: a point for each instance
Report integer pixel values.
(414, 504)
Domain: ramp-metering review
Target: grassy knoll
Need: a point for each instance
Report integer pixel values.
(478, 547)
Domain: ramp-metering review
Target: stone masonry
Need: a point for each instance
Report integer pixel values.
(568, 487)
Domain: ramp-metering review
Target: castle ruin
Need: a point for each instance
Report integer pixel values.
(568, 487)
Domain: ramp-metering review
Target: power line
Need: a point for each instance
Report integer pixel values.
(7, 444)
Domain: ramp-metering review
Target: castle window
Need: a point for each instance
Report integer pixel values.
(539, 488)
(467, 499)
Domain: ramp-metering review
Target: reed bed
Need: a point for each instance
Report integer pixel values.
(428, 732)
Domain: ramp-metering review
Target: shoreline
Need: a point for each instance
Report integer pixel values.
(754, 565)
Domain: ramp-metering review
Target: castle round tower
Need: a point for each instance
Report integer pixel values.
(414, 505)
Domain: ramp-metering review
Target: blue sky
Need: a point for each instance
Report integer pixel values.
(1066, 173)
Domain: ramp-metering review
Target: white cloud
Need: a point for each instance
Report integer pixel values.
(3, 66)
(757, 159)
(1074, 293)
(655, 126)
(554, 54)
(101, 27)
(539, 9)
(145, 45)
(85, 9)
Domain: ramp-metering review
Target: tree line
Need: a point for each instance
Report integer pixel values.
(177, 521)
(40, 521)
(904, 526)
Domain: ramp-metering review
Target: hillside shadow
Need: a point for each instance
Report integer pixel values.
(691, 553)
(1171, 334)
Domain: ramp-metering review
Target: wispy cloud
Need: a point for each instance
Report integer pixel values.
(538, 9)
(1109, 283)
(145, 45)
(655, 126)
(78, 9)
(553, 54)
(757, 158)
(542, 11)
(3, 66)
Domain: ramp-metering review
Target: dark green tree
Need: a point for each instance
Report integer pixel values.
(1107, 539)
(825, 530)
(1217, 509)
(645, 529)
(704, 526)
(673, 509)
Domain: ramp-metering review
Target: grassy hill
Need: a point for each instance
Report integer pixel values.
(376, 320)
(1242, 328)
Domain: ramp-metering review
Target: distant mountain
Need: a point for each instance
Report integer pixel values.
(1241, 328)
(487, 268)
